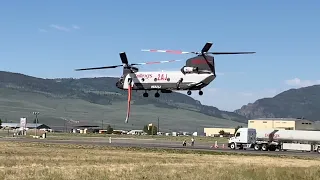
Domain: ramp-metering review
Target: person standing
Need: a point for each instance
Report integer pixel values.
(184, 143)
(192, 141)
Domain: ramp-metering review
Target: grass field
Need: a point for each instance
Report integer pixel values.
(15, 105)
(49, 161)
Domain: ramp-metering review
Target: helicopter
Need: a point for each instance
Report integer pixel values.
(197, 73)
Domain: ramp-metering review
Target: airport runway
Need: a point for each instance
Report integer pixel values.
(155, 143)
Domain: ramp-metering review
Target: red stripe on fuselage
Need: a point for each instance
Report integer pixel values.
(199, 61)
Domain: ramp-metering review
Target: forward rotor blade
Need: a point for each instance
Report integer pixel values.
(220, 53)
(94, 68)
(123, 58)
(155, 62)
(166, 51)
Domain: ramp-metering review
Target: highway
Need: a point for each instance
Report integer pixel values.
(153, 143)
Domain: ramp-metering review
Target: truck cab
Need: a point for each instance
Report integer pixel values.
(244, 137)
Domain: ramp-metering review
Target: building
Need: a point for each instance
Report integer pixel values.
(84, 129)
(281, 123)
(28, 126)
(216, 131)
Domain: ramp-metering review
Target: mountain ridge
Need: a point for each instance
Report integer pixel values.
(97, 99)
(103, 92)
(292, 103)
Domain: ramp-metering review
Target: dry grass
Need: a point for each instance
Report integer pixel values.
(49, 161)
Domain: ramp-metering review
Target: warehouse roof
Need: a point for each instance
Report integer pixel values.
(28, 125)
(86, 126)
(281, 119)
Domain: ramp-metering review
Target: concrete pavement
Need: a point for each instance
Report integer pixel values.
(154, 143)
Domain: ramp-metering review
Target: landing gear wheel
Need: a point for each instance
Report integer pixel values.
(157, 95)
(200, 93)
(189, 92)
(145, 94)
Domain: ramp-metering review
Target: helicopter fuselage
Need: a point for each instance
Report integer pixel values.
(166, 80)
(198, 72)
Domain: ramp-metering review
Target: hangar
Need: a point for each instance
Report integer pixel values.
(84, 129)
(281, 123)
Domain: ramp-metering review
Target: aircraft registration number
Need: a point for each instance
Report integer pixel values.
(162, 77)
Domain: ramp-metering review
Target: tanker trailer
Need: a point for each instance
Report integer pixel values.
(273, 139)
(283, 140)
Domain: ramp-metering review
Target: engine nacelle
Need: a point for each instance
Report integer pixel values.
(189, 69)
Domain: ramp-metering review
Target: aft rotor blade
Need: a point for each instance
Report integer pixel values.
(94, 68)
(206, 47)
(155, 62)
(221, 53)
(166, 51)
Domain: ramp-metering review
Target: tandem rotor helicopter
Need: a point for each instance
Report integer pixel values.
(198, 72)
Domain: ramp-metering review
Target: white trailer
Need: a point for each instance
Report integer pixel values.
(276, 139)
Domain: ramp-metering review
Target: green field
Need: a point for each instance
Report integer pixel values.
(20, 104)
(40, 161)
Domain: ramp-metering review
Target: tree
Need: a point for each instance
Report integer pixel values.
(109, 129)
(152, 130)
(221, 132)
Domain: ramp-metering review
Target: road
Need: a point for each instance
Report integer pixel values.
(153, 143)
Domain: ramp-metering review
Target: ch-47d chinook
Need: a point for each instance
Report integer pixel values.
(197, 73)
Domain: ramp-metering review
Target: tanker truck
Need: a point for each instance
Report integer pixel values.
(272, 140)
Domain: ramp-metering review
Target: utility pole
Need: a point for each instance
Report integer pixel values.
(152, 130)
(158, 129)
(8, 128)
(101, 124)
(65, 128)
(35, 129)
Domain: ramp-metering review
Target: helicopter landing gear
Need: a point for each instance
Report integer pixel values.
(157, 94)
(178, 83)
(145, 94)
(200, 93)
(189, 92)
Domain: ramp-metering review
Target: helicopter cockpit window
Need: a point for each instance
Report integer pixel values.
(121, 79)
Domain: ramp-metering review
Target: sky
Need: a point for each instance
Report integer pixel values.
(49, 39)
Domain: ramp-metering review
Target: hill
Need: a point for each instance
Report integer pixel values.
(97, 101)
(302, 102)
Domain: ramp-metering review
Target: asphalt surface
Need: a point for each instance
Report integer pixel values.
(156, 143)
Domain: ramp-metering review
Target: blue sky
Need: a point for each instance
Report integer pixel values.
(51, 39)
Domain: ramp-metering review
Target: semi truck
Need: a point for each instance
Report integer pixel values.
(275, 139)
